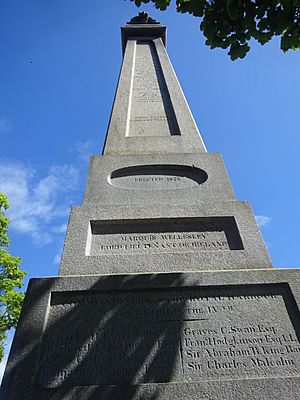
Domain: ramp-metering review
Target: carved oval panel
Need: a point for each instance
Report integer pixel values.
(157, 177)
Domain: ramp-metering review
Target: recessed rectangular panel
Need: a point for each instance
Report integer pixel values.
(169, 335)
(151, 111)
(164, 235)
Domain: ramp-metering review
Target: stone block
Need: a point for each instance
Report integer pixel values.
(160, 179)
(219, 335)
(132, 239)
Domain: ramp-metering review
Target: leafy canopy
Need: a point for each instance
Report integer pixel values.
(232, 23)
(10, 280)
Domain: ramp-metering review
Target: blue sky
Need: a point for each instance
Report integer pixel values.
(60, 61)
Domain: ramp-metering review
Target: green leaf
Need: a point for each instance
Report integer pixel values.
(238, 51)
(194, 7)
(235, 22)
(233, 9)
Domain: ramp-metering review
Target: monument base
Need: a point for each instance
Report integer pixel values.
(204, 336)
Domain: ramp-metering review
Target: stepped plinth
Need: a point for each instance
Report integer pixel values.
(166, 289)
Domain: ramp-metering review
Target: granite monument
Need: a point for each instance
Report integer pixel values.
(166, 289)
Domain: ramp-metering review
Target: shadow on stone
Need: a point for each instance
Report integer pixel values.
(99, 344)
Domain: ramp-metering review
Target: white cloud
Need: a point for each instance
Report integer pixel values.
(263, 220)
(59, 228)
(40, 202)
(56, 259)
(39, 205)
(86, 149)
(5, 125)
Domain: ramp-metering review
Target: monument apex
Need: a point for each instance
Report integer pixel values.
(150, 114)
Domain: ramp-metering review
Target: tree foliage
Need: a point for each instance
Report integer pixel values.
(232, 23)
(10, 280)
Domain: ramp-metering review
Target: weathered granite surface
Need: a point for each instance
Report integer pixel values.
(166, 289)
(156, 201)
(150, 113)
(203, 336)
(157, 179)
(169, 238)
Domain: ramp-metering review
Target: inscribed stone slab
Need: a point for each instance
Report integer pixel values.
(149, 96)
(233, 333)
(162, 238)
(140, 336)
(160, 179)
(151, 110)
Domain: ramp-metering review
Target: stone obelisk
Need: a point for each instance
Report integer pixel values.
(166, 289)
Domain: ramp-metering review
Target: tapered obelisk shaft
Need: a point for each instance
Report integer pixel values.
(150, 113)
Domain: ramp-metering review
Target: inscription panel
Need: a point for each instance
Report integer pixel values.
(151, 111)
(195, 334)
(157, 177)
(164, 235)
